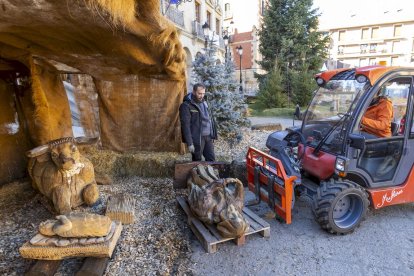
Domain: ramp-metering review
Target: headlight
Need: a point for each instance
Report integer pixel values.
(320, 81)
(361, 78)
(340, 164)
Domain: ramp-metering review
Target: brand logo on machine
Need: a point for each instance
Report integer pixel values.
(388, 198)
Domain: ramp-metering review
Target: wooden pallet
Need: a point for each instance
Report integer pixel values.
(208, 235)
(91, 267)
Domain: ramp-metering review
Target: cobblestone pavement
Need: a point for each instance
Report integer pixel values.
(382, 245)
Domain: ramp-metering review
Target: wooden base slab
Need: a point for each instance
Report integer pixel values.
(100, 250)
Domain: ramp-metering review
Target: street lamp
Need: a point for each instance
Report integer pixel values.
(226, 43)
(240, 52)
(206, 31)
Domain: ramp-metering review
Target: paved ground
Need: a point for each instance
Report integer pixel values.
(382, 245)
(285, 122)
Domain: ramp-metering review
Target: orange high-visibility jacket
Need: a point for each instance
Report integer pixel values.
(377, 118)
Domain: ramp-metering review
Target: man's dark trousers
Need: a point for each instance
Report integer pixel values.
(206, 149)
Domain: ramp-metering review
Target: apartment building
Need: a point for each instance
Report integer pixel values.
(189, 17)
(386, 37)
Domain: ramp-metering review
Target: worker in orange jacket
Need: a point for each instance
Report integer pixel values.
(378, 116)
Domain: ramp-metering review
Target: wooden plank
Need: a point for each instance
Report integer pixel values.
(252, 223)
(93, 267)
(44, 268)
(255, 217)
(201, 228)
(214, 231)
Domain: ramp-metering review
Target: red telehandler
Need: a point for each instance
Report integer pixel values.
(331, 160)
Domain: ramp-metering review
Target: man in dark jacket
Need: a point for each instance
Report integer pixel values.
(198, 129)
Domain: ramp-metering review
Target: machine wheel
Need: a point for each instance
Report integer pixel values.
(340, 206)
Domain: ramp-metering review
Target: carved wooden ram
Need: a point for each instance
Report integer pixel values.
(62, 174)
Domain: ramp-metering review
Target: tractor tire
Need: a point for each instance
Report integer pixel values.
(339, 206)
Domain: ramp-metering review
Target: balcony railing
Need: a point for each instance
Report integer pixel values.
(216, 40)
(175, 16)
(197, 29)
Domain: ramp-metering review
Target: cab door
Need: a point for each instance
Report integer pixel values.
(386, 161)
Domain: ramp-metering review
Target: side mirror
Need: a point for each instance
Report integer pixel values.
(356, 141)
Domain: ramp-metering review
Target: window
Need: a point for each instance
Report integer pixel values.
(412, 47)
(395, 46)
(340, 49)
(381, 155)
(394, 61)
(362, 62)
(364, 48)
(372, 61)
(341, 36)
(217, 26)
(375, 32)
(373, 47)
(197, 12)
(397, 30)
(365, 33)
(227, 7)
(209, 18)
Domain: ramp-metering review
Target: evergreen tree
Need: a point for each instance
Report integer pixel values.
(303, 84)
(225, 101)
(289, 35)
(271, 93)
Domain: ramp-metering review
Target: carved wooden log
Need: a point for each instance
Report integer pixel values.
(121, 208)
(212, 202)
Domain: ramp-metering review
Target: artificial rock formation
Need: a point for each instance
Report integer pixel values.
(62, 174)
(74, 235)
(212, 202)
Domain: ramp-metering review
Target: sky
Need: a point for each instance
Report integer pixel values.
(335, 12)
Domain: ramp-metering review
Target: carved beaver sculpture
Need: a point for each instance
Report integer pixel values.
(212, 202)
(62, 174)
(77, 225)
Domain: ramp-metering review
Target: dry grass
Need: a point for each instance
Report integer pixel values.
(122, 12)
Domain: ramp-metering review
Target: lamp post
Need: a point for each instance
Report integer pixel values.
(206, 31)
(226, 43)
(240, 52)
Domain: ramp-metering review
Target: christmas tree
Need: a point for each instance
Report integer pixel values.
(226, 102)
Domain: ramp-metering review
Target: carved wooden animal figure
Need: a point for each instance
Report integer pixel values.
(212, 202)
(77, 225)
(62, 174)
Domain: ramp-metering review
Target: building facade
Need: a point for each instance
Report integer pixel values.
(189, 17)
(386, 39)
(242, 24)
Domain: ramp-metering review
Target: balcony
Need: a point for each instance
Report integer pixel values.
(175, 16)
(197, 29)
(216, 40)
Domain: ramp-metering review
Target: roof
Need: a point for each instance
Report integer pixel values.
(97, 37)
(373, 73)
